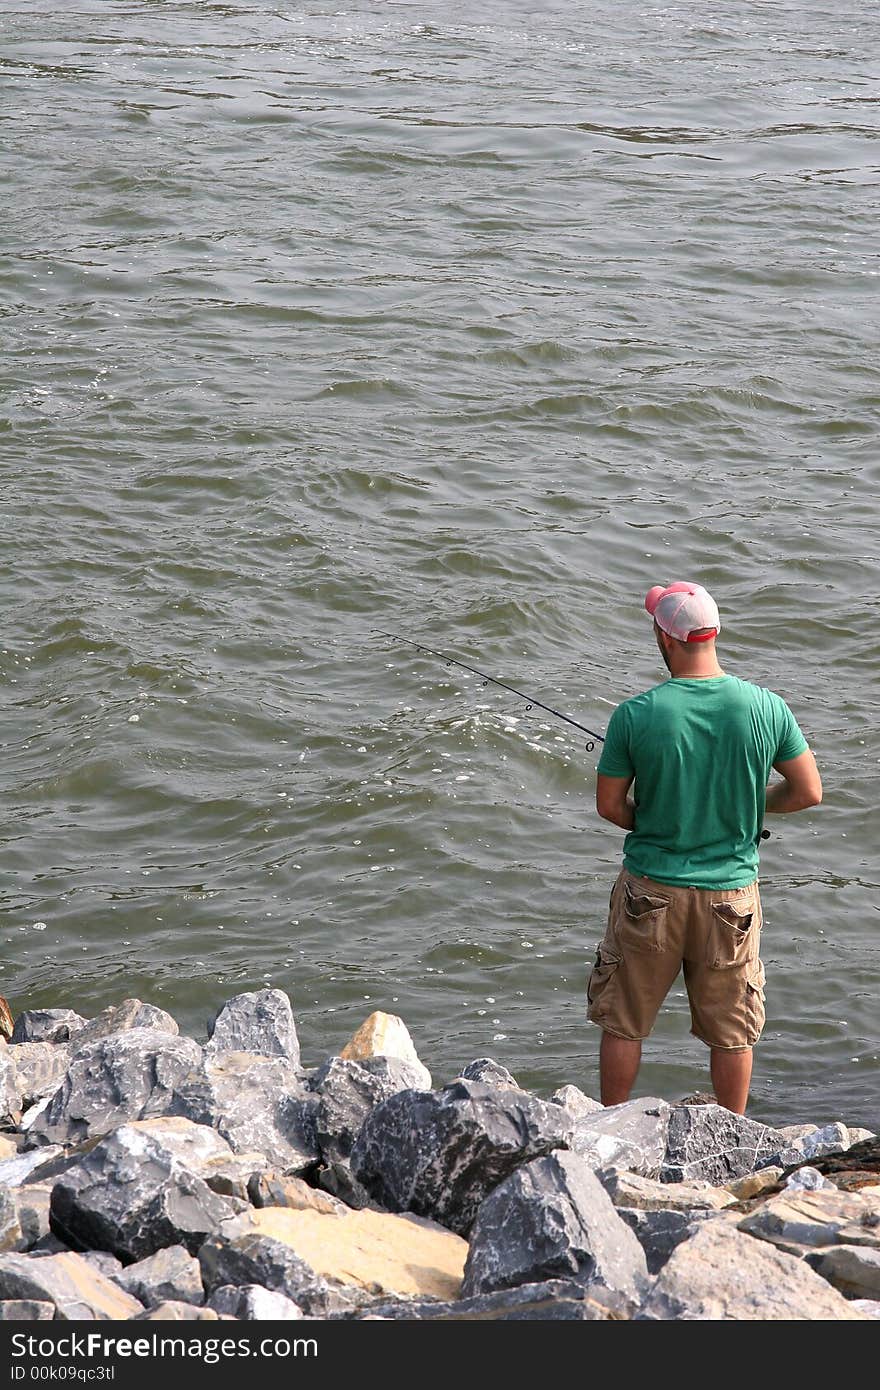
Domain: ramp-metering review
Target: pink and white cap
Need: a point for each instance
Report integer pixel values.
(682, 610)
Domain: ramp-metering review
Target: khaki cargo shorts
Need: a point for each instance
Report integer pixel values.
(655, 930)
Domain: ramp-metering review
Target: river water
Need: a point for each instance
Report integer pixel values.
(468, 324)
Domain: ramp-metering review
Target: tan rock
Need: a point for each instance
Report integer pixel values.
(633, 1190)
(78, 1290)
(8, 1147)
(384, 1253)
(793, 1220)
(753, 1184)
(384, 1035)
(285, 1190)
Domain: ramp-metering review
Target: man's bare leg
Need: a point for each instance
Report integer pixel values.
(731, 1073)
(619, 1060)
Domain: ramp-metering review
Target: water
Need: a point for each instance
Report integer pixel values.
(471, 326)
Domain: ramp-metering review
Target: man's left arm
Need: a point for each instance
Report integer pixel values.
(612, 801)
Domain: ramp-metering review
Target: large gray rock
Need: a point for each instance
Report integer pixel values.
(77, 1292)
(241, 1257)
(632, 1135)
(251, 1303)
(133, 1197)
(119, 1018)
(258, 1104)
(490, 1072)
(576, 1101)
(206, 1153)
(556, 1300)
(830, 1139)
(47, 1025)
(438, 1153)
(722, 1275)
(709, 1142)
(172, 1273)
(260, 1022)
(129, 1075)
(552, 1219)
(348, 1091)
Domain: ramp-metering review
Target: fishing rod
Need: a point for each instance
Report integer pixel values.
(452, 661)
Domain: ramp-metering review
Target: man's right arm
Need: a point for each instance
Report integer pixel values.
(801, 785)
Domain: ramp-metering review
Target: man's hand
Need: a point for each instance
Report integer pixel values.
(612, 803)
(801, 785)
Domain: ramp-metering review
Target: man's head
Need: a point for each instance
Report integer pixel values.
(686, 614)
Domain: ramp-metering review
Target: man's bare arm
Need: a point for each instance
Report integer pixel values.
(801, 785)
(611, 800)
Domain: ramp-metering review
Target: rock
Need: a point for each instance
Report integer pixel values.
(260, 1023)
(632, 1190)
(279, 1190)
(126, 1076)
(631, 1136)
(69, 1283)
(258, 1104)
(557, 1300)
(853, 1269)
(173, 1311)
(242, 1256)
(10, 1229)
(862, 1157)
(40, 1068)
(26, 1310)
(47, 1026)
(27, 1166)
(659, 1232)
(707, 1141)
(723, 1275)
(119, 1018)
(438, 1153)
(205, 1152)
(386, 1035)
(807, 1179)
(133, 1197)
(856, 1135)
(753, 1184)
(32, 1209)
(170, 1275)
(794, 1220)
(870, 1307)
(575, 1101)
(105, 1262)
(348, 1091)
(552, 1219)
(485, 1069)
(8, 1148)
(830, 1139)
(10, 1095)
(366, 1252)
(251, 1303)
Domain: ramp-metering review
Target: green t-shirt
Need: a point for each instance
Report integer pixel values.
(701, 752)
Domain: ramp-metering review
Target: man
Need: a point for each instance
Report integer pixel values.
(697, 751)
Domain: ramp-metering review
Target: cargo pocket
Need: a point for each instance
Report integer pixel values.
(733, 936)
(640, 924)
(755, 1002)
(601, 977)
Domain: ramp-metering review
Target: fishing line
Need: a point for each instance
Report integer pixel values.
(485, 677)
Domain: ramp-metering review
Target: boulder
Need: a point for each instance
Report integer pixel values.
(799, 1220)
(632, 1190)
(130, 1075)
(251, 1303)
(40, 1068)
(827, 1140)
(709, 1142)
(556, 1300)
(438, 1153)
(242, 1256)
(632, 1135)
(348, 1092)
(261, 1022)
(723, 1275)
(47, 1025)
(206, 1153)
(574, 1100)
(171, 1274)
(386, 1035)
(280, 1190)
(552, 1219)
(258, 1104)
(133, 1197)
(67, 1281)
(119, 1018)
(487, 1070)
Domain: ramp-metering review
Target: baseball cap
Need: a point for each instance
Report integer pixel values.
(682, 609)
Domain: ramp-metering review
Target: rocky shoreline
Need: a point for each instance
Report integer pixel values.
(146, 1176)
